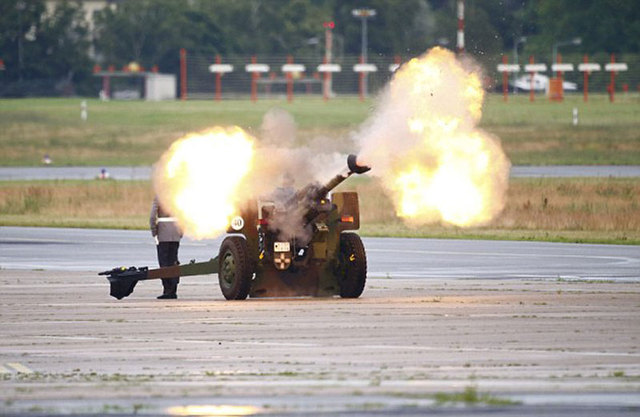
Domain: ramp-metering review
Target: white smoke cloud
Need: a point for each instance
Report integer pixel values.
(422, 141)
(424, 144)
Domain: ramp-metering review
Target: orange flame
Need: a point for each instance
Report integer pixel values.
(199, 177)
(424, 144)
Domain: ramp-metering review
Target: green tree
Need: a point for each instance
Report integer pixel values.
(268, 27)
(36, 45)
(63, 43)
(19, 21)
(603, 25)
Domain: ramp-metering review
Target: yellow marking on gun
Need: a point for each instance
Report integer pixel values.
(352, 257)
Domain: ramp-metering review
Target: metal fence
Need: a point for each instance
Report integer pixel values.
(598, 81)
(201, 83)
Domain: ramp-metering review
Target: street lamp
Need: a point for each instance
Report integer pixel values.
(554, 51)
(364, 14)
(521, 39)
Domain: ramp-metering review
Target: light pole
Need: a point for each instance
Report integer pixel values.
(364, 14)
(521, 39)
(554, 51)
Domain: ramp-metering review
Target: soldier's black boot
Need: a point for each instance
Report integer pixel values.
(170, 289)
(168, 296)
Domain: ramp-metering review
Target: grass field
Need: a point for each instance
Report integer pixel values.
(571, 210)
(136, 132)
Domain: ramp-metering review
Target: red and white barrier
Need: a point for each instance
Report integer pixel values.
(460, 34)
(183, 74)
(363, 69)
(255, 69)
(290, 70)
(327, 70)
(614, 67)
(587, 68)
(219, 69)
(505, 68)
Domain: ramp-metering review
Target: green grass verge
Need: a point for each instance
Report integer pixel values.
(137, 132)
(583, 210)
(561, 236)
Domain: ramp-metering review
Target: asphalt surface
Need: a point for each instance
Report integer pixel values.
(144, 172)
(551, 328)
(98, 250)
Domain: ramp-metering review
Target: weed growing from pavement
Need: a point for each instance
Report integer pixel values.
(470, 396)
(77, 377)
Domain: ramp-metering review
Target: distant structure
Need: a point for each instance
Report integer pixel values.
(136, 83)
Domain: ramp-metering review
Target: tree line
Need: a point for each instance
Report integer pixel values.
(53, 52)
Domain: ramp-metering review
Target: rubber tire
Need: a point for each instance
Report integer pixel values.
(234, 254)
(354, 272)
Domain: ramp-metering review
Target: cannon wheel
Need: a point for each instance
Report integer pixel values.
(354, 266)
(235, 271)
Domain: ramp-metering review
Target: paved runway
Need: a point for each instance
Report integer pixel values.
(144, 172)
(98, 250)
(438, 317)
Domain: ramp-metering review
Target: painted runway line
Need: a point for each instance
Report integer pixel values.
(19, 368)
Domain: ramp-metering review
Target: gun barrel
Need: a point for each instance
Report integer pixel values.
(353, 168)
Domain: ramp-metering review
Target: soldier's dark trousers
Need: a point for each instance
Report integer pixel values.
(168, 256)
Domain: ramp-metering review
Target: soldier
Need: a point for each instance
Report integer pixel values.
(165, 230)
(283, 194)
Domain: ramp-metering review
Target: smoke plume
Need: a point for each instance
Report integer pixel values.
(424, 143)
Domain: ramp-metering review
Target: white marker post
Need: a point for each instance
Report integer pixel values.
(83, 110)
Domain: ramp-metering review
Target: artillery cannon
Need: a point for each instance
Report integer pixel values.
(297, 245)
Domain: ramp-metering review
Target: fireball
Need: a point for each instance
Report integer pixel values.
(423, 142)
(200, 177)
